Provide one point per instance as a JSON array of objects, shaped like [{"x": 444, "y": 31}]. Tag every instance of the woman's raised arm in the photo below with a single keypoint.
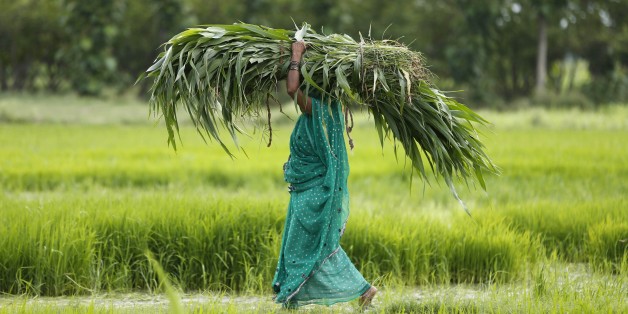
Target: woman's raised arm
[{"x": 293, "y": 81}]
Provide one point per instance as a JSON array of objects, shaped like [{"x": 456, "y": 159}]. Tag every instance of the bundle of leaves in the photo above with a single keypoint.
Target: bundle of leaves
[{"x": 221, "y": 73}]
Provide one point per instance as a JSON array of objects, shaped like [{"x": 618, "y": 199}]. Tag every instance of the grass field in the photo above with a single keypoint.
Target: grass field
[{"x": 89, "y": 189}]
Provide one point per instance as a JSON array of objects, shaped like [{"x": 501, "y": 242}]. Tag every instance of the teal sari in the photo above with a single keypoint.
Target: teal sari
[{"x": 312, "y": 267}]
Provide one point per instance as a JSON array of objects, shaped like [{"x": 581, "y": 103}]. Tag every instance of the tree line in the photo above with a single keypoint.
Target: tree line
[{"x": 494, "y": 50}]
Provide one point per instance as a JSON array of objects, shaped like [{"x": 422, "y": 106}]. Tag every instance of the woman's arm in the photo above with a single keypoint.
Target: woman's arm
[{"x": 294, "y": 78}]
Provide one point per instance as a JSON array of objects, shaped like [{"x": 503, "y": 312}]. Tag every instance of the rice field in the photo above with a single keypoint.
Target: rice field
[{"x": 88, "y": 191}]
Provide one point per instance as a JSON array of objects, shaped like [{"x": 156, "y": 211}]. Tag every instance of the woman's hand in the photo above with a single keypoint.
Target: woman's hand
[{"x": 298, "y": 48}]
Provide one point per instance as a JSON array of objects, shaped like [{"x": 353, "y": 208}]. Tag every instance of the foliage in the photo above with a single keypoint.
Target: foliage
[
  {"x": 156, "y": 21},
  {"x": 219, "y": 73},
  {"x": 22, "y": 24},
  {"x": 487, "y": 48},
  {"x": 92, "y": 29}
]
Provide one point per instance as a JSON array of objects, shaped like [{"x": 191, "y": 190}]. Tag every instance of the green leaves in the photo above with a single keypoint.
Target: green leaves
[{"x": 221, "y": 73}]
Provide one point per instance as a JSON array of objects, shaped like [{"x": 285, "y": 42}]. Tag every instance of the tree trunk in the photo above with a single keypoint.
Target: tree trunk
[
  {"x": 541, "y": 55},
  {"x": 573, "y": 67},
  {"x": 53, "y": 78},
  {"x": 503, "y": 78},
  {"x": 4, "y": 85},
  {"x": 514, "y": 70}
]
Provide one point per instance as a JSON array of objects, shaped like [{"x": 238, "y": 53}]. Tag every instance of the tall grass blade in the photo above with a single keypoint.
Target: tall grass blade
[{"x": 176, "y": 307}]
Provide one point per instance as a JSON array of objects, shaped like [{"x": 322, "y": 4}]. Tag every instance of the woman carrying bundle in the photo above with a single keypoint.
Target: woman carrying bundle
[{"x": 312, "y": 267}]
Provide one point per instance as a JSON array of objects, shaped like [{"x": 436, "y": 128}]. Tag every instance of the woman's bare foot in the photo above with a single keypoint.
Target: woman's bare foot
[{"x": 367, "y": 297}]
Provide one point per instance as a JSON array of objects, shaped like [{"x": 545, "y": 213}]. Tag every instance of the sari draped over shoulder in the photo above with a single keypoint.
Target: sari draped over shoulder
[{"x": 312, "y": 267}]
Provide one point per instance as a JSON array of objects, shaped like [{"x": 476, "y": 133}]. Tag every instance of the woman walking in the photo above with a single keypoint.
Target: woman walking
[{"x": 312, "y": 267}]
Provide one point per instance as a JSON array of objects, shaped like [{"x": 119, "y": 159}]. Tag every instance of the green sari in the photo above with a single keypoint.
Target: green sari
[{"x": 312, "y": 267}]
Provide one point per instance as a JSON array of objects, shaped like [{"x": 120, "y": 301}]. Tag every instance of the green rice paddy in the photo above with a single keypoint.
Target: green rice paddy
[{"x": 82, "y": 203}]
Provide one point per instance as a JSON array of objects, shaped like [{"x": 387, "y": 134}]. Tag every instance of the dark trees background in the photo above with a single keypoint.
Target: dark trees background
[{"x": 497, "y": 51}]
